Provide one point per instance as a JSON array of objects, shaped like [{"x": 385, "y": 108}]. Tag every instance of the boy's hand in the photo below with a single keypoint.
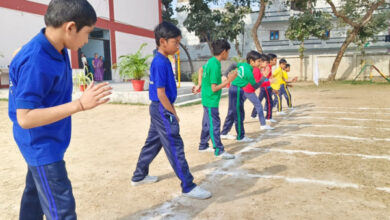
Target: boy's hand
[
  {"x": 224, "y": 78},
  {"x": 196, "y": 89},
  {"x": 177, "y": 118},
  {"x": 275, "y": 91},
  {"x": 294, "y": 79},
  {"x": 95, "y": 95},
  {"x": 232, "y": 75}
]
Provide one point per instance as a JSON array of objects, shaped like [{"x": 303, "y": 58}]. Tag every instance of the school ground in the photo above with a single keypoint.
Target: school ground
[{"x": 329, "y": 158}]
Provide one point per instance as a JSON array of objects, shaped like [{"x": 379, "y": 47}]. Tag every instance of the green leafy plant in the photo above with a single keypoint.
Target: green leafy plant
[
  {"x": 82, "y": 79},
  {"x": 238, "y": 59},
  {"x": 194, "y": 78},
  {"x": 134, "y": 66}
]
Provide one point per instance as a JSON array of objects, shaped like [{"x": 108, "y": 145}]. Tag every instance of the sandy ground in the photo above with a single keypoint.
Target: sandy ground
[{"x": 329, "y": 158}]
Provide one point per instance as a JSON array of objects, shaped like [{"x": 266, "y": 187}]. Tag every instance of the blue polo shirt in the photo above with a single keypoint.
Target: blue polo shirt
[
  {"x": 161, "y": 76},
  {"x": 40, "y": 77}
]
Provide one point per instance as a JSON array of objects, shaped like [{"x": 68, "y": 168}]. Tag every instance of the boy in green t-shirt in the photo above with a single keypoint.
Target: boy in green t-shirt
[
  {"x": 210, "y": 82},
  {"x": 236, "y": 113}
]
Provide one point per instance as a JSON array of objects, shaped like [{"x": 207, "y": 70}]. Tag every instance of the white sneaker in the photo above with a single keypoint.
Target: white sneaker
[
  {"x": 271, "y": 120},
  {"x": 245, "y": 139},
  {"x": 226, "y": 156},
  {"x": 209, "y": 149},
  {"x": 280, "y": 113},
  {"x": 146, "y": 180},
  {"x": 290, "y": 108},
  {"x": 228, "y": 136},
  {"x": 266, "y": 127},
  {"x": 198, "y": 193}
]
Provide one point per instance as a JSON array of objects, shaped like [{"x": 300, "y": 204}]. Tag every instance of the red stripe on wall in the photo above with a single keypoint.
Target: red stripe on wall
[
  {"x": 25, "y": 6},
  {"x": 112, "y": 32},
  {"x": 160, "y": 10}
]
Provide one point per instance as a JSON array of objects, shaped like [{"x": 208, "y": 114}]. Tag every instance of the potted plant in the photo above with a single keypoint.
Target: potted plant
[
  {"x": 134, "y": 67},
  {"x": 82, "y": 80}
]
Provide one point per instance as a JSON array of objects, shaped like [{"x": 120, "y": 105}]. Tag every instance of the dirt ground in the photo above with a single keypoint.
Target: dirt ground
[{"x": 329, "y": 158}]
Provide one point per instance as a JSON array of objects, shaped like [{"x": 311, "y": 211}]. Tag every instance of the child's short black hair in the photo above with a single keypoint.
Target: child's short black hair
[
  {"x": 265, "y": 58},
  {"x": 272, "y": 56},
  {"x": 281, "y": 61},
  {"x": 166, "y": 31},
  {"x": 219, "y": 46},
  {"x": 61, "y": 11},
  {"x": 252, "y": 55},
  {"x": 287, "y": 65}
]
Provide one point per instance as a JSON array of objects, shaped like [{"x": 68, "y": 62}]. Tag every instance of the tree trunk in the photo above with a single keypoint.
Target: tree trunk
[
  {"x": 209, "y": 43},
  {"x": 256, "y": 26},
  {"x": 189, "y": 57},
  {"x": 301, "y": 56},
  {"x": 237, "y": 46},
  {"x": 340, "y": 54}
]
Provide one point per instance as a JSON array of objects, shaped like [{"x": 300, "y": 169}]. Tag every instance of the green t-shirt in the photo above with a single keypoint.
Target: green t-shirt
[
  {"x": 244, "y": 75},
  {"x": 211, "y": 75}
]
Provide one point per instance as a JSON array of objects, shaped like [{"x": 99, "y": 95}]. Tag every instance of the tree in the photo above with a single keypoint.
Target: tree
[
  {"x": 200, "y": 20},
  {"x": 359, "y": 15},
  {"x": 167, "y": 16},
  {"x": 230, "y": 23},
  {"x": 308, "y": 24},
  {"x": 263, "y": 5}
]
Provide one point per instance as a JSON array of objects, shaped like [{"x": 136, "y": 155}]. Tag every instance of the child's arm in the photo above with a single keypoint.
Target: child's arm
[
  {"x": 230, "y": 78},
  {"x": 92, "y": 97},
  {"x": 196, "y": 89},
  {"x": 165, "y": 102}
]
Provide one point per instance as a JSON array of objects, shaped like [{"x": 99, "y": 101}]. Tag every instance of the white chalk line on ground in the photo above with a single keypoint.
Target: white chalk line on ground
[
  {"x": 315, "y": 153},
  {"x": 332, "y": 126},
  {"x": 356, "y": 108},
  {"x": 329, "y": 136},
  {"x": 327, "y": 183},
  {"x": 357, "y": 113},
  {"x": 337, "y": 118}
]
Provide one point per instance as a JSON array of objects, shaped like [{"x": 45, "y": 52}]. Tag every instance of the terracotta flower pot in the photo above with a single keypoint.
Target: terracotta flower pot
[
  {"x": 83, "y": 88},
  {"x": 138, "y": 85}
]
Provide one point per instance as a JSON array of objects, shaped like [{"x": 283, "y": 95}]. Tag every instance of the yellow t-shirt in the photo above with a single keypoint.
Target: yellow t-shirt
[
  {"x": 285, "y": 77},
  {"x": 277, "y": 78}
]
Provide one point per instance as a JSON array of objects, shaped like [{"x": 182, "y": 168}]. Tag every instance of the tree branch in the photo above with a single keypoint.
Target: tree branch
[
  {"x": 368, "y": 16},
  {"x": 337, "y": 14}
]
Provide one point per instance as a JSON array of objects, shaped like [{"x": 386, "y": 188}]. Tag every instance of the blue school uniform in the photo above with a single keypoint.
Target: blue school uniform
[
  {"x": 41, "y": 77},
  {"x": 164, "y": 131}
]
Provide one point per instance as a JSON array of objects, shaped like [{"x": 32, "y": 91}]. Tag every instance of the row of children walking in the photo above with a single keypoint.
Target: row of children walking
[
  {"x": 245, "y": 78},
  {"x": 41, "y": 105}
]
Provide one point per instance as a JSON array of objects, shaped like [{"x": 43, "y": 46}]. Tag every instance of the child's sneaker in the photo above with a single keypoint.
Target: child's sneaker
[
  {"x": 226, "y": 156},
  {"x": 266, "y": 127},
  {"x": 228, "y": 136},
  {"x": 245, "y": 139},
  {"x": 271, "y": 120},
  {"x": 146, "y": 180},
  {"x": 280, "y": 113},
  {"x": 290, "y": 108},
  {"x": 209, "y": 149},
  {"x": 198, "y": 193}
]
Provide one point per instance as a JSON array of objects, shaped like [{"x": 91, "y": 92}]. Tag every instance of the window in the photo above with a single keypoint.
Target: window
[
  {"x": 387, "y": 38},
  {"x": 327, "y": 34},
  {"x": 274, "y": 35}
]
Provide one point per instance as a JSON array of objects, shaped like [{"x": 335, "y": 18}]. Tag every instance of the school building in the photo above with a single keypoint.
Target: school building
[{"x": 122, "y": 26}]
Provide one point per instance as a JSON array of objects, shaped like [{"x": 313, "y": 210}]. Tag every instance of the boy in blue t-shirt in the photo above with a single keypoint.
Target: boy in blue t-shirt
[
  {"x": 40, "y": 106},
  {"x": 164, "y": 128}
]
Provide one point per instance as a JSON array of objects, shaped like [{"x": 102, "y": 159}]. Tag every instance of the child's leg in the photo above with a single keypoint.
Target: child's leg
[
  {"x": 215, "y": 130},
  {"x": 149, "y": 151},
  {"x": 261, "y": 97},
  {"x": 268, "y": 102},
  {"x": 169, "y": 132},
  {"x": 256, "y": 103},
  {"x": 229, "y": 120},
  {"x": 240, "y": 113},
  {"x": 283, "y": 93},
  {"x": 288, "y": 98},
  {"x": 277, "y": 102},
  {"x": 205, "y": 134},
  {"x": 30, "y": 207},
  {"x": 54, "y": 191}
]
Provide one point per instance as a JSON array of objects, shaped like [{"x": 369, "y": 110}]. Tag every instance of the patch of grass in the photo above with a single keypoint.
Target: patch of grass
[
  {"x": 362, "y": 82},
  {"x": 4, "y": 100},
  {"x": 190, "y": 104}
]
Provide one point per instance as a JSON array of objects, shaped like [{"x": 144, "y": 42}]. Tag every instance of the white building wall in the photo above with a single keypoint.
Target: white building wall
[
  {"x": 138, "y": 13},
  {"x": 101, "y": 6},
  {"x": 128, "y": 43},
  {"x": 15, "y": 33}
]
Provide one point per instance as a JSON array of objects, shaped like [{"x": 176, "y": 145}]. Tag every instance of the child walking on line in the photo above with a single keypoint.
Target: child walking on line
[
  {"x": 236, "y": 114},
  {"x": 164, "y": 131},
  {"x": 210, "y": 82},
  {"x": 40, "y": 107}
]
